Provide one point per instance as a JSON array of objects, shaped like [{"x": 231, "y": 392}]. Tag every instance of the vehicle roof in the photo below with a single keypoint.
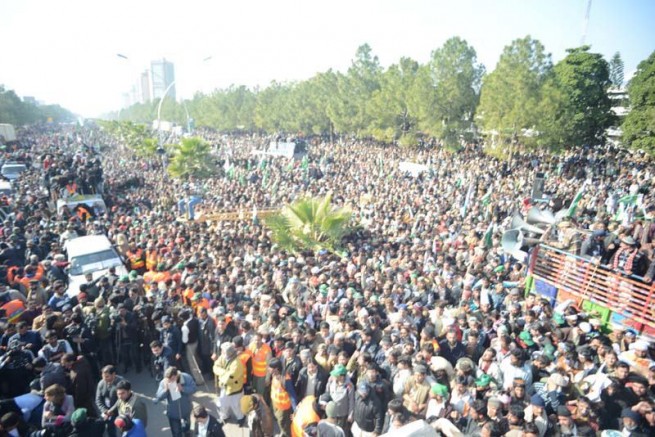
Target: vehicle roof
[{"x": 87, "y": 244}]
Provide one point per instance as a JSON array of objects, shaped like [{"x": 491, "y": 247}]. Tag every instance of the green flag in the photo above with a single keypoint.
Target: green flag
[
  {"x": 289, "y": 166},
  {"x": 305, "y": 163},
  {"x": 576, "y": 200},
  {"x": 486, "y": 199},
  {"x": 230, "y": 173},
  {"x": 265, "y": 178},
  {"x": 242, "y": 179},
  {"x": 629, "y": 200},
  {"x": 488, "y": 242}
]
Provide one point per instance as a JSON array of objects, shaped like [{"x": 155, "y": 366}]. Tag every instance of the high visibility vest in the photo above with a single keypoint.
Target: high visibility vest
[
  {"x": 152, "y": 259},
  {"x": 136, "y": 260},
  {"x": 71, "y": 188},
  {"x": 244, "y": 357},
  {"x": 14, "y": 310},
  {"x": 279, "y": 396},
  {"x": 83, "y": 213},
  {"x": 259, "y": 361},
  {"x": 304, "y": 416}
]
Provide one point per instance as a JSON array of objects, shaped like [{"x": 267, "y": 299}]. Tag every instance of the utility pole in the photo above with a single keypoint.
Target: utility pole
[{"x": 586, "y": 24}]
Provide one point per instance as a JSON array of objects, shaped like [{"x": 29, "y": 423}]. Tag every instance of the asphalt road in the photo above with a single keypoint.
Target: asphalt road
[{"x": 146, "y": 387}]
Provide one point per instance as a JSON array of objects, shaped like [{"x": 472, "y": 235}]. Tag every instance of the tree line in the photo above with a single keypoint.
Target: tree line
[
  {"x": 526, "y": 100},
  {"x": 15, "y": 111}
]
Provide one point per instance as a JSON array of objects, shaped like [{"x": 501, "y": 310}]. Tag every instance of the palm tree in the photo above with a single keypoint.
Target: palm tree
[
  {"x": 191, "y": 158},
  {"x": 310, "y": 224}
]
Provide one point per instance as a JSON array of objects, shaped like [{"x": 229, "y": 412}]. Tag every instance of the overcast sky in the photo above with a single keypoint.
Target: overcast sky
[{"x": 65, "y": 51}]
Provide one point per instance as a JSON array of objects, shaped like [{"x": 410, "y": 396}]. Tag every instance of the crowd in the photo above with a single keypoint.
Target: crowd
[{"x": 420, "y": 319}]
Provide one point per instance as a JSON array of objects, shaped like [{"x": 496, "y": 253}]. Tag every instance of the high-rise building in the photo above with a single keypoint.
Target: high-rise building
[
  {"x": 162, "y": 74},
  {"x": 144, "y": 85}
]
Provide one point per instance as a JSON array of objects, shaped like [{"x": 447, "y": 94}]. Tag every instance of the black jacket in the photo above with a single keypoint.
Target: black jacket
[
  {"x": 368, "y": 413},
  {"x": 319, "y": 387},
  {"x": 214, "y": 429}
]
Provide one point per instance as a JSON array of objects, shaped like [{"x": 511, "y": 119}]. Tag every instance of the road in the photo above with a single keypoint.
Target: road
[{"x": 145, "y": 386}]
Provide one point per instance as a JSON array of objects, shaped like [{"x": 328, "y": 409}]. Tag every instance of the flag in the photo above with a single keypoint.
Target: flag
[
  {"x": 305, "y": 163},
  {"x": 262, "y": 164},
  {"x": 576, "y": 200},
  {"x": 265, "y": 178},
  {"x": 290, "y": 165},
  {"x": 488, "y": 242},
  {"x": 629, "y": 200},
  {"x": 230, "y": 173},
  {"x": 242, "y": 179},
  {"x": 486, "y": 199},
  {"x": 467, "y": 200},
  {"x": 274, "y": 189}
]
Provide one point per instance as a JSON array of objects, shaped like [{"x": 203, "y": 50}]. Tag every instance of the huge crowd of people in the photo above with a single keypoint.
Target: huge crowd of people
[{"x": 420, "y": 319}]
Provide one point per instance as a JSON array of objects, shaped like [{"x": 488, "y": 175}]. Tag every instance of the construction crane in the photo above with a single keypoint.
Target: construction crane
[{"x": 586, "y": 23}]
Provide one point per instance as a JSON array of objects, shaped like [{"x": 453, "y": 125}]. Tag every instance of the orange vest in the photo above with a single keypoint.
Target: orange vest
[
  {"x": 244, "y": 357},
  {"x": 14, "y": 310},
  {"x": 136, "y": 260},
  {"x": 152, "y": 259},
  {"x": 304, "y": 416},
  {"x": 83, "y": 213},
  {"x": 279, "y": 396},
  {"x": 149, "y": 276},
  {"x": 187, "y": 295},
  {"x": 259, "y": 356}
]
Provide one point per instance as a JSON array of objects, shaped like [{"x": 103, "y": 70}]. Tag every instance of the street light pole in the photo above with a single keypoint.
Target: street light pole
[{"x": 168, "y": 88}]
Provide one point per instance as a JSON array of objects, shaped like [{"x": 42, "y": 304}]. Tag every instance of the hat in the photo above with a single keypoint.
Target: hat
[
  {"x": 166, "y": 319},
  {"x": 527, "y": 338},
  {"x": 558, "y": 318},
  {"x": 494, "y": 402},
  {"x": 483, "y": 381},
  {"x": 363, "y": 387},
  {"x": 639, "y": 345},
  {"x": 123, "y": 422},
  {"x": 440, "y": 390},
  {"x": 629, "y": 241},
  {"x": 538, "y": 401},
  {"x": 558, "y": 380},
  {"x": 339, "y": 370},
  {"x": 563, "y": 411},
  {"x": 331, "y": 409},
  {"x": 585, "y": 327},
  {"x": 78, "y": 416},
  {"x": 81, "y": 296},
  {"x": 627, "y": 412},
  {"x": 420, "y": 368}
]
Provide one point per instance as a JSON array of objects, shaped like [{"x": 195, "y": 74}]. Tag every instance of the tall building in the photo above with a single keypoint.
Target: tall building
[
  {"x": 144, "y": 85},
  {"x": 162, "y": 76}
]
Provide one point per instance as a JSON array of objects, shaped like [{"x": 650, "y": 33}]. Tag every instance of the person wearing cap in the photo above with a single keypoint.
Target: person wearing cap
[
  {"x": 628, "y": 258},
  {"x": 368, "y": 415},
  {"x": 342, "y": 393},
  {"x": 171, "y": 336},
  {"x": 638, "y": 357},
  {"x": 258, "y": 415},
  {"x": 552, "y": 391},
  {"x": 328, "y": 427},
  {"x": 84, "y": 426},
  {"x": 566, "y": 426},
  {"x": 535, "y": 413},
  {"x": 283, "y": 396},
  {"x": 593, "y": 247},
  {"x": 631, "y": 422},
  {"x": 230, "y": 377},
  {"x": 417, "y": 391}
]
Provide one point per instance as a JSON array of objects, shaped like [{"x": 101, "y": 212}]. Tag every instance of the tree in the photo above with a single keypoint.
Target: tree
[
  {"x": 639, "y": 125},
  {"x": 616, "y": 70},
  {"x": 510, "y": 95},
  {"x": 309, "y": 224},
  {"x": 192, "y": 157},
  {"x": 583, "y": 79},
  {"x": 389, "y": 107},
  {"x": 451, "y": 93}
]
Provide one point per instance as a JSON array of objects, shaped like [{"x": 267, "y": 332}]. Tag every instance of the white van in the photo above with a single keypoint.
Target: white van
[
  {"x": 11, "y": 170},
  {"x": 90, "y": 254}
]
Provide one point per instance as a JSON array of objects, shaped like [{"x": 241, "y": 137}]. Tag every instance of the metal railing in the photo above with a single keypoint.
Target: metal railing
[{"x": 628, "y": 296}]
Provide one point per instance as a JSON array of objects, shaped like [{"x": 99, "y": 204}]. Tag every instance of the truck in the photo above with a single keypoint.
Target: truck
[{"x": 7, "y": 134}]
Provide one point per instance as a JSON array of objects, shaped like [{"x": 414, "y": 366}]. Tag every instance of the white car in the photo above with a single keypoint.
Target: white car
[
  {"x": 92, "y": 254},
  {"x": 11, "y": 170}
]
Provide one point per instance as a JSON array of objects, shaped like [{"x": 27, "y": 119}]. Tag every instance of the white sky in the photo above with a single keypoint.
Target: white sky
[{"x": 65, "y": 51}]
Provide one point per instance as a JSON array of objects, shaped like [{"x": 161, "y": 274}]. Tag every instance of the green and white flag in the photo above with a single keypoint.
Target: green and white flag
[
  {"x": 486, "y": 199},
  {"x": 576, "y": 200},
  {"x": 629, "y": 200},
  {"x": 488, "y": 236}
]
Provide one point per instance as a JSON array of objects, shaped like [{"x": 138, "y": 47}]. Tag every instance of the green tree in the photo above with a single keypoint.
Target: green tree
[
  {"x": 451, "y": 92},
  {"x": 192, "y": 157},
  {"x": 390, "y": 107},
  {"x": 510, "y": 95},
  {"x": 309, "y": 224},
  {"x": 639, "y": 125},
  {"x": 583, "y": 78},
  {"x": 616, "y": 70}
]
